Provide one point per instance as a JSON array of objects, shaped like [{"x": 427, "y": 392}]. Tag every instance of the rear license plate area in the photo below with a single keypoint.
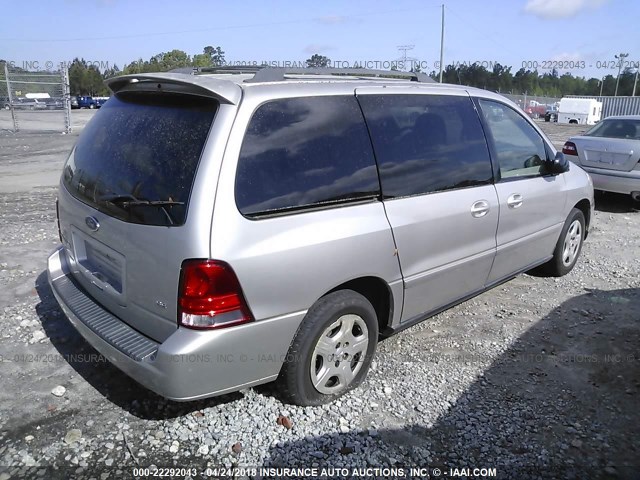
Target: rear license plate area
[{"x": 101, "y": 264}]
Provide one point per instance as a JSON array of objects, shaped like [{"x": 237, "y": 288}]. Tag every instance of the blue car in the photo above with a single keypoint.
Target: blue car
[{"x": 86, "y": 102}]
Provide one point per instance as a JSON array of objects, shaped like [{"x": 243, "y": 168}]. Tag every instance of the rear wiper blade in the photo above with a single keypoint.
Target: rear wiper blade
[
  {"x": 148, "y": 203},
  {"x": 127, "y": 201}
]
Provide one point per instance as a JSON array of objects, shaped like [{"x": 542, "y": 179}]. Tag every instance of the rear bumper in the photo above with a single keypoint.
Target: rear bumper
[
  {"x": 614, "y": 181},
  {"x": 188, "y": 365}
]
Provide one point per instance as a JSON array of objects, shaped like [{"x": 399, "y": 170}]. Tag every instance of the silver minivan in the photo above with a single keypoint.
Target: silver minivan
[{"x": 225, "y": 230}]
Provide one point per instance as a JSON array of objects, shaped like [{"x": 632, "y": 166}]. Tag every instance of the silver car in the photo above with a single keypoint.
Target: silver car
[
  {"x": 610, "y": 152},
  {"x": 226, "y": 230}
]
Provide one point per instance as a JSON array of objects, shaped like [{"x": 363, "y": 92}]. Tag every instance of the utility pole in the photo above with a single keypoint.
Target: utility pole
[
  {"x": 10, "y": 97},
  {"x": 620, "y": 57},
  {"x": 442, "y": 44},
  {"x": 635, "y": 81},
  {"x": 601, "y": 85}
]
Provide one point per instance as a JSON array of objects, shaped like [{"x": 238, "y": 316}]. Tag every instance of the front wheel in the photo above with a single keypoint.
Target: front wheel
[
  {"x": 331, "y": 351},
  {"x": 568, "y": 247}
]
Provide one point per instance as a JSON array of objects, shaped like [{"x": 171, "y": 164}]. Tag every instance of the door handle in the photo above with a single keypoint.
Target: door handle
[
  {"x": 480, "y": 208},
  {"x": 514, "y": 200}
]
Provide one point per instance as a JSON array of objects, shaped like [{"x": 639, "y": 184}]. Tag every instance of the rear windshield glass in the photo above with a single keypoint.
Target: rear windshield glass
[
  {"x": 136, "y": 159},
  {"x": 616, "y": 128}
]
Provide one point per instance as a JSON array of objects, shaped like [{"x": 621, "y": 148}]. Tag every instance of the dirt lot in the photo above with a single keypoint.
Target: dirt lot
[
  {"x": 538, "y": 378},
  {"x": 43, "y": 120}
]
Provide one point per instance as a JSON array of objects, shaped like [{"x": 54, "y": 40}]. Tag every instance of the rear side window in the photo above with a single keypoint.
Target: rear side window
[
  {"x": 426, "y": 143},
  {"x": 301, "y": 153},
  {"x": 136, "y": 160},
  {"x": 616, "y": 128}
]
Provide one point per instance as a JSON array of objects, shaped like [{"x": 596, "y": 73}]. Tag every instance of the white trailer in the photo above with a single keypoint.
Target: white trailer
[{"x": 583, "y": 111}]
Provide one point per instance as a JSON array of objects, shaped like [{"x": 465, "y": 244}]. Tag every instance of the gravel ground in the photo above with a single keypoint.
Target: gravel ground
[{"x": 538, "y": 378}]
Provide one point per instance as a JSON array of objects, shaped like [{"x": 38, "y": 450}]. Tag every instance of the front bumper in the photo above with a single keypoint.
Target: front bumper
[
  {"x": 615, "y": 181},
  {"x": 190, "y": 364}
]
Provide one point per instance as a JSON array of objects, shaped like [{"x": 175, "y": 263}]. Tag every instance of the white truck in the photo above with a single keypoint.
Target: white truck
[{"x": 582, "y": 111}]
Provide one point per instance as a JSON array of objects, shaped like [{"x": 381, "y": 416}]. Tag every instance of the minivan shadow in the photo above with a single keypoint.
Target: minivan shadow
[
  {"x": 615, "y": 202},
  {"x": 101, "y": 374},
  {"x": 560, "y": 402}
]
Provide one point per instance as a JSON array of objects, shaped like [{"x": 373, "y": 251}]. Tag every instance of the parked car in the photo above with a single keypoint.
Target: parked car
[
  {"x": 5, "y": 103},
  {"x": 54, "y": 103},
  {"x": 220, "y": 234},
  {"x": 86, "y": 102},
  {"x": 100, "y": 101},
  {"x": 610, "y": 152},
  {"x": 74, "y": 103},
  {"x": 21, "y": 103},
  {"x": 536, "y": 111},
  {"x": 551, "y": 115}
]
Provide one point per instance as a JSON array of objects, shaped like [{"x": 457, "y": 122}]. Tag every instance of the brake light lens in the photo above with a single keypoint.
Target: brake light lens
[
  {"x": 210, "y": 296},
  {"x": 570, "y": 149}
]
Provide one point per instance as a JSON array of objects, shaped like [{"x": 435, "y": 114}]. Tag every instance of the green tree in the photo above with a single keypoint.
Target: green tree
[
  {"x": 111, "y": 72},
  {"x": 502, "y": 78},
  {"x": 215, "y": 54},
  {"x": 318, "y": 60},
  {"x": 137, "y": 66},
  {"x": 174, "y": 59},
  {"x": 86, "y": 79},
  {"x": 201, "y": 60}
]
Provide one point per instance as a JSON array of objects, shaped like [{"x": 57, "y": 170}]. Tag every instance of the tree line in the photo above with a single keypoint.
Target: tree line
[
  {"x": 549, "y": 84},
  {"x": 87, "y": 79}
]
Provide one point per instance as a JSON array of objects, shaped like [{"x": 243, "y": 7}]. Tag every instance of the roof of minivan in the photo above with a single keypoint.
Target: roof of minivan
[{"x": 228, "y": 87}]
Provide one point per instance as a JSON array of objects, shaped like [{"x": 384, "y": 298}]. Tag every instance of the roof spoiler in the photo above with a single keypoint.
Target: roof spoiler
[{"x": 224, "y": 91}]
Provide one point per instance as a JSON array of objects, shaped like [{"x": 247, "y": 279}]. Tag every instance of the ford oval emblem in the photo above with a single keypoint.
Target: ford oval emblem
[{"x": 92, "y": 223}]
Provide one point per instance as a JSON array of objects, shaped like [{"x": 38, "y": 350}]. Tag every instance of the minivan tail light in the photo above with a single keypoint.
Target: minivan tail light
[
  {"x": 210, "y": 296},
  {"x": 570, "y": 149}
]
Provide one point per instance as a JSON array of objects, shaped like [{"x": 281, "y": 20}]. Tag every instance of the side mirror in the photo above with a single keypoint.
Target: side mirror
[{"x": 559, "y": 164}]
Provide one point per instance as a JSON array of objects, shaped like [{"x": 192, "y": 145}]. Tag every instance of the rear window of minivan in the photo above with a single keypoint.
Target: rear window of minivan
[
  {"x": 305, "y": 153},
  {"x": 137, "y": 158}
]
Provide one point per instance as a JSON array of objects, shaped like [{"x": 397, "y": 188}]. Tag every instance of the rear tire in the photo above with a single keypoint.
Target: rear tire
[
  {"x": 568, "y": 247},
  {"x": 332, "y": 350}
]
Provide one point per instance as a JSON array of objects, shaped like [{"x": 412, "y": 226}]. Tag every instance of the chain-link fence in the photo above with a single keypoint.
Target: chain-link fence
[{"x": 35, "y": 101}]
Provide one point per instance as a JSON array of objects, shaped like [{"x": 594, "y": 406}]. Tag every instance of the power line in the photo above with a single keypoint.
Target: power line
[{"x": 212, "y": 29}]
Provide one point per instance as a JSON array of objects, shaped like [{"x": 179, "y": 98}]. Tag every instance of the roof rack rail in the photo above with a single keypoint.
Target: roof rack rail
[
  {"x": 276, "y": 74},
  {"x": 184, "y": 70},
  {"x": 238, "y": 69}
]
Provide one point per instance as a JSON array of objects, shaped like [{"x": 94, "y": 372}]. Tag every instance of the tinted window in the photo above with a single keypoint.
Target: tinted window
[
  {"x": 519, "y": 148},
  {"x": 140, "y": 149},
  {"x": 305, "y": 152},
  {"x": 426, "y": 143},
  {"x": 616, "y": 128}
]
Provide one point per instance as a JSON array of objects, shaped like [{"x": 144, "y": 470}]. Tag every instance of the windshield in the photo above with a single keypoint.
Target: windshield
[
  {"x": 616, "y": 128},
  {"x": 144, "y": 147}
]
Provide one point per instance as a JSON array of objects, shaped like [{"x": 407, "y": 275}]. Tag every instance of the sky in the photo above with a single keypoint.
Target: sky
[{"x": 516, "y": 33}]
